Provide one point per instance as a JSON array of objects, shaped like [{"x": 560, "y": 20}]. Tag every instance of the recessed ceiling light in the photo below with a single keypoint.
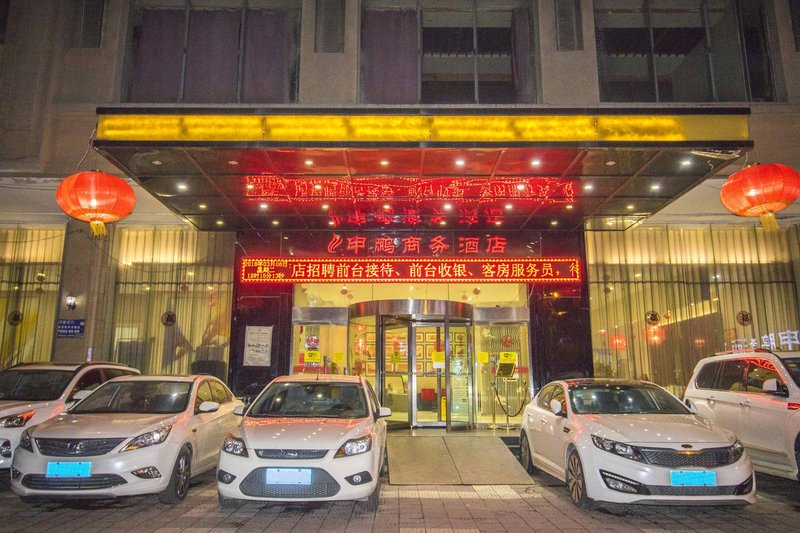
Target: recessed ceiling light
[
  {"x": 220, "y": 222},
  {"x": 447, "y": 207},
  {"x": 202, "y": 206},
  {"x": 655, "y": 187},
  {"x": 384, "y": 163},
  {"x": 554, "y": 222},
  {"x": 157, "y": 162},
  {"x": 182, "y": 187},
  {"x": 536, "y": 162},
  {"x": 569, "y": 206},
  {"x": 588, "y": 187},
  {"x": 611, "y": 163},
  {"x": 331, "y": 222},
  {"x": 498, "y": 223},
  {"x": 686, "y": 162},
  {"x": 233, "y": 163},
  {"x": 629, "y": 207},
  {"x": 325, "y": 207},
  {"x": 275, "y": 222},
  {"x": 509, "y": 207},
  {"x": 263, "y": 206},
  {"x": 317, "y": 187},
  {"x": 443, "y": 223},
  {"x": 460, "y": 162},
  {"x": 309, "y": 162},
  {"x": 387, "y": 206},
  {"x": 250, "y": 186}
]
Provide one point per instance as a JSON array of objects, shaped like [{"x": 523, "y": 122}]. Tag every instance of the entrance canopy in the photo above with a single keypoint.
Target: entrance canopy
[{"x": 444, "y": 169}]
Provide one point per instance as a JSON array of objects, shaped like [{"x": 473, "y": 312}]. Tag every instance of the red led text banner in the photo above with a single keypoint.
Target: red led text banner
[{"x": 276, "y": 270}]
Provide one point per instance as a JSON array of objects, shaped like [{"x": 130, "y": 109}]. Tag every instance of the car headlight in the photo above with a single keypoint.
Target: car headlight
[
  {"x": 25, "y": 441},
  {"x": 737, "y": 450},
  {"x": 16, "y": 421},
  {"x": 234, "y": 446},
  {"x": 150, "y": 438},
  {"x": 355, "y": 447},
  {"x": 618, "y": 448}
]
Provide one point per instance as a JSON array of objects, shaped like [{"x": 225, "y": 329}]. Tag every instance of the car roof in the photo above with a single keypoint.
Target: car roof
[
  {"x": 54, "y": 365},
  {"x": 326, "y": 378},
  {"x": 606, "y": 382},
  {"x": 163, "y": 377},
  {"x": 736, "y": 354}
]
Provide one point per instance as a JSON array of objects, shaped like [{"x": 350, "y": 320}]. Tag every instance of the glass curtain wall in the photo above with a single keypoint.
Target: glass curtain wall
[
  {"x": 662, "y": 298},
  {"x": 30, "y": 276},
  {"x": 172, "y": 302}
]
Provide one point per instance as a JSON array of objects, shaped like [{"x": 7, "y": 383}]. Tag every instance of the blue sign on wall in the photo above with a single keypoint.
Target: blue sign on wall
[{"x": 70, "y": 328}]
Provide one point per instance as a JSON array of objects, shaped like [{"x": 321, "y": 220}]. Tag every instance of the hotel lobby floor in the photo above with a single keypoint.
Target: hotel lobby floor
[{"x": 542, "y": 506}]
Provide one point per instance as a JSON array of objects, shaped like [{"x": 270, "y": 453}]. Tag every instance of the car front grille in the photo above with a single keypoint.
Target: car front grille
[
  {"x": 322, "y": 486},
  {"x": 76, "y": 447},
  {"x": 666, "y": 490},
  {"x": 97, "y": 481},
  {"x": 291, "y": 454},
  {"x": 707, "y": 458}
]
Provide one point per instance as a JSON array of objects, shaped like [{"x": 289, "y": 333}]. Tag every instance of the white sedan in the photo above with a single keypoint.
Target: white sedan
[
  {"x": 132, "y": 435},
  {"x": 632, "y": 442},
  {"x": 307, "y": 438}
]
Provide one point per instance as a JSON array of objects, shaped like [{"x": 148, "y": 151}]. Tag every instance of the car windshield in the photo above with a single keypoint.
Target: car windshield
[
  {"x": 793, "y": 366},
  {"x": 602, "y": 399},
  {"x": 33, "y": 385},
  {"x": 141, "y": 396},
  {"x": 311, "y": 399}
]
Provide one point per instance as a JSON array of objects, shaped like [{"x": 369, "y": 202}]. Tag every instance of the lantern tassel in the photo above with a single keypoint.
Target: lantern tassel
[
  {"x": 98, "y": 229},
  {"x": 768, "y": 222}
]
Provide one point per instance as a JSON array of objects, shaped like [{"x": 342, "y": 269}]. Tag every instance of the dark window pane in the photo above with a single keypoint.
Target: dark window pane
[
  {"x": 212, "y": 62},
  {"x": 389, "y": 68},
  {"x": 732, "y": 375},
  {"x": 157, "y": 56},
  {"x": 705, "y": 378},
  {"x": 270, "y": 57}
]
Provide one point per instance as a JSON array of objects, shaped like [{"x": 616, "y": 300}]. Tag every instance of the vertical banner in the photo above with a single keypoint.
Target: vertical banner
[{"x": 257, "y": 345}]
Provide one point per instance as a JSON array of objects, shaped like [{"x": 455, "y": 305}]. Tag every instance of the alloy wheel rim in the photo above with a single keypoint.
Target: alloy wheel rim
[
  {"x": 576, "y": 479},
  {"x": 183, "y": 475}
]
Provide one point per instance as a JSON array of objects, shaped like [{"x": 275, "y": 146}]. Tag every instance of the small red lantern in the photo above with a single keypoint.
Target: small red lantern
[
  {"x": 761, "y": 191},
  {"x": 618, "y": 343},
  {"x": 97, "y": 198}
]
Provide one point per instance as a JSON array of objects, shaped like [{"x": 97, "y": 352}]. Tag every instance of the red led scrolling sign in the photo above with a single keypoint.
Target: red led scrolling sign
[{"x": 278, "y": 270}]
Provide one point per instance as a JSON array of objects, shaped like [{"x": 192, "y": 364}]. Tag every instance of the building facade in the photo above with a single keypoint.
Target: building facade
[{"x": 460, "y": 200}]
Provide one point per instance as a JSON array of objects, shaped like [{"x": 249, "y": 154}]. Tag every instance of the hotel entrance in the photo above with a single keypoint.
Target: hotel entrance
[{"x": 424, "y": 360}]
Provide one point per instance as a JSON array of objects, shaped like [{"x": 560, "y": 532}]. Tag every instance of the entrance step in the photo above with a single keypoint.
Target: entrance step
[{"x": 452, "y": 460}]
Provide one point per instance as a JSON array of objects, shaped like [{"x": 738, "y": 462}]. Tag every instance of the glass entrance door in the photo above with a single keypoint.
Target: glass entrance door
[{"x": 394, "y": 365}]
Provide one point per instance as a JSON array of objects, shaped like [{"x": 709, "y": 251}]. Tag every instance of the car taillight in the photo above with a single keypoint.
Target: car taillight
[{"x": 793, "y": 406}]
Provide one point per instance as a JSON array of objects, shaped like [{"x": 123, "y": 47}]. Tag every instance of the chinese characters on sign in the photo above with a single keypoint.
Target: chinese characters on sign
[
  {"x": 430, "y": 245},
  {"x": 70, "y": 328},
  {"x": 788, "y": 340},
  {"x": 275, "y": 270}
]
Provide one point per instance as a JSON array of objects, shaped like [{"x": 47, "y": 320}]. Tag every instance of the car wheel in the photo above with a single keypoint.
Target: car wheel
[
  {"x": 384, "y": 464},
  {"x": 225, "y": 502},
  {"x": 797, "y": 454},
  {"x": 179, "y": 481},
  {"x": 576, "y": 482},
  {"x": 374, "y": 499},
  {"x": 525, "y": 457}
]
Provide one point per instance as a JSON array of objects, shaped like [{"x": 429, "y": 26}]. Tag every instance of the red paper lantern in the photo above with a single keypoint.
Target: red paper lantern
[
  {"x": 761, "y": 191},
  {"x": 97, "y": 198},
  {"x": 618, "y": 343}
]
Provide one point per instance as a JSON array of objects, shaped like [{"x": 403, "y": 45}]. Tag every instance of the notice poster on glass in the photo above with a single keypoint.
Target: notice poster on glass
[{"x": 257, "y": 345}]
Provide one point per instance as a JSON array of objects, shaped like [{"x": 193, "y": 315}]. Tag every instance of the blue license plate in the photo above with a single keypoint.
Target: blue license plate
[
  {"x": 693, "y": 478},
  {"x": 288, "y": 476},
  {"x": 68, "y": 470}
]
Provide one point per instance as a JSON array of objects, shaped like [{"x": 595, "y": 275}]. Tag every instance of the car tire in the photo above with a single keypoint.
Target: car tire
[
  {"x": 374, "y": 499},
  {"x": 797, "y": 454},
  {"x": 525, "y": 456},
  {"x": 225, "y": 502},
  {"x": 576, "y": 482},
  {"x": 384, "y": 464},
  {"x": 179, "y": 479}
]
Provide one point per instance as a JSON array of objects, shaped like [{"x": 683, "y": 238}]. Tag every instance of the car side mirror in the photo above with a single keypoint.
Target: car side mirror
[
  {"x": 208, "y": 407},
  {"x": 384, "y": 412},
  {"x": 689, "y": 405},
  {"x": 556, "y": 408},
  {"x": 238, "y": 410},
  {"x": 771, "y": 386}
]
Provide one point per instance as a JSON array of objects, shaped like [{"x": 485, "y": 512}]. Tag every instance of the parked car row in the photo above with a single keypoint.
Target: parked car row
[
  {"x": 318, "y": 438},
  {"x": 627, "y": 441}
]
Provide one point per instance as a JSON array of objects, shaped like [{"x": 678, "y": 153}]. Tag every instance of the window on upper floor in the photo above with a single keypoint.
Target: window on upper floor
[
  {"x": 446, "y": 51},
  {"x": 228, "y": 51},
  {"x": 684, "y": 51}
]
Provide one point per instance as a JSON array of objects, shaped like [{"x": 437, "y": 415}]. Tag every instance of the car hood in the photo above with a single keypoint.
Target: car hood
[
  {"x": 302, "y": 433},
  {"x": 664, "y": 430},
  {"x": 13, "y": 407},
  {"x": 102, "y": 425}
]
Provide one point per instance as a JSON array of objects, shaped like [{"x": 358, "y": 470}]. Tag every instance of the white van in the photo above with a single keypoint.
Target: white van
[{"x": 756, "y": 395}]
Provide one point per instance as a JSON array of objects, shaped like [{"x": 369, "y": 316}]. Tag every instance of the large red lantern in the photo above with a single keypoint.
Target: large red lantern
[
  {"x": 761, "y": 191},
  {"x": 97, "y": 198}
]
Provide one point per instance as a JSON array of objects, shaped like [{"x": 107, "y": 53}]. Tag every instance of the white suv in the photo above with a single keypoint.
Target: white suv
[
  {"x": 756, "y": 395},
  {"x": 31, "y": 393}
]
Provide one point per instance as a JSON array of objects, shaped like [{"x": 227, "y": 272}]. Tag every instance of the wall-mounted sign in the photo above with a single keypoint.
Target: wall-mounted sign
[
  {"x": 508, "y": 357},
  {"x": 483, "y": 358},
  {"x": 70, "y": 328},
  {"x": 438, "y": 359},
  {"x": 313, "y": 356},
  {"x": 257, "y": 345},
  {"x": 275, "y": 270}
]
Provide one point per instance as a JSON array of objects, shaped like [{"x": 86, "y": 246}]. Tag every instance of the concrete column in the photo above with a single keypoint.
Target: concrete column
[{"x": 87, "y": 274}]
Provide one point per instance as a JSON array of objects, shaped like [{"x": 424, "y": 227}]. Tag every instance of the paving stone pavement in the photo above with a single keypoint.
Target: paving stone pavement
[{"x": 541, "y": 507}]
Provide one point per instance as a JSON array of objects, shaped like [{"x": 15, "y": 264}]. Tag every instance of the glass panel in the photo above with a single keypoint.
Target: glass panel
[
  {"x": 726, "y": 53},
  {"x": 460, "y": 405},
  {"x": 430, "y": 379},
  {"x": 502, "y": 391},
  {"x": 396, "y": 375},
  {"x": 361, "y": 355},
  {"x": 448, "y": 62},
  {"x": 319, "y": 349},
  {"x": 495, "y": 78}
]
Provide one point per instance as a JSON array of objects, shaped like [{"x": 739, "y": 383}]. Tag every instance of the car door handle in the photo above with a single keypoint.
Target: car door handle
[
  {"x": 745, "y": 403},
  {"x": 543, "y": 421},
  {"x": 566, "y": 430}
]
